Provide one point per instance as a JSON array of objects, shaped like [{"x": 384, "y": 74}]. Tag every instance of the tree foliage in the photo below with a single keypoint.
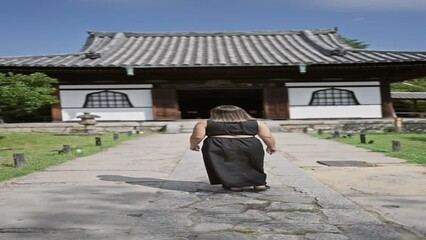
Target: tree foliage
[
  {"x": 415, "y": 85},
  {"x": 22, "y": 94},
  {"x": 355, "y": 43}
]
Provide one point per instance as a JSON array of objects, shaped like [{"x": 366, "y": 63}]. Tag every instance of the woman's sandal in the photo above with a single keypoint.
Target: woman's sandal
[
  {"x": 235, "y": 189},
  {"x": 261, "y": 188}
]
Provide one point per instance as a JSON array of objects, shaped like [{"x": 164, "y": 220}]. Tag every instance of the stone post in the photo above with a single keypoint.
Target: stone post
[
  {"x": 396, "y": 146},
  {"x": 19, "y": 159},
  {"x": 67, "y": 149},
  {"x": 362, "y": 138}
]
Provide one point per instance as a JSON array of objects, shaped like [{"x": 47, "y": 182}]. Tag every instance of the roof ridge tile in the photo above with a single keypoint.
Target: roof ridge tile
[{"x": 213, "y": 33}]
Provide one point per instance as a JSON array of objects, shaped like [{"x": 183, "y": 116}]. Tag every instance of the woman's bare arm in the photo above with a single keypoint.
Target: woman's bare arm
[
  {"x": 198, "y": 133},
  {"x": 266, "y": 136}
]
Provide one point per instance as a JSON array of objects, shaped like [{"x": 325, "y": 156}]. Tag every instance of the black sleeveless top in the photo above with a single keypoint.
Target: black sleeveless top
[{"x": 248, "y": 127}]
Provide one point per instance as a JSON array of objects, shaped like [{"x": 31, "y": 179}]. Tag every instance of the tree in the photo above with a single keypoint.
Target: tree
[
  {"x": 415, "y": 85},
  {"x": 23, "y": 94},
  {"x": 355, "y": 43}
]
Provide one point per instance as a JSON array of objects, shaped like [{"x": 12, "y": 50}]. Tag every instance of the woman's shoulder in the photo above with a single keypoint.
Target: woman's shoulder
[
  {"x": 255, "y": 121},
  {"x": 259, "y": 122},
  {"x": 202, "y": 122}
]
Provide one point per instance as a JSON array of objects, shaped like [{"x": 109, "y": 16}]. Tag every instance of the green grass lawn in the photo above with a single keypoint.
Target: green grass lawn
[
  {"x": 413, "y": 145},
  {"x": 41, "y": 150}
]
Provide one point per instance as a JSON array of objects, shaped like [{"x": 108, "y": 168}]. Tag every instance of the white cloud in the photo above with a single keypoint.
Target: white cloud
[{"x": 385, "y": 5}]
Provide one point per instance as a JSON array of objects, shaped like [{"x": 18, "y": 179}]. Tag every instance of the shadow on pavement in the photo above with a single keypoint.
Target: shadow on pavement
[{"x": 186, "y": 186}]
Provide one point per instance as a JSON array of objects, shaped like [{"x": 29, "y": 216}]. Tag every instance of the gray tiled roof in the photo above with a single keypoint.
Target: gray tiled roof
[
  {"x": 197, "y": 49},
  {"x": 408, "y": 95}
]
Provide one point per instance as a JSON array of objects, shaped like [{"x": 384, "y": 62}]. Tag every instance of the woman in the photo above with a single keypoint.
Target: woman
[{"x": 233, "y": 156}]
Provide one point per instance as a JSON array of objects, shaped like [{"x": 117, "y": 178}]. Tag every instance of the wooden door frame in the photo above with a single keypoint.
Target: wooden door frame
[
  {"x": 165, "y": 104},
  {"x": 275, "y": 103}
]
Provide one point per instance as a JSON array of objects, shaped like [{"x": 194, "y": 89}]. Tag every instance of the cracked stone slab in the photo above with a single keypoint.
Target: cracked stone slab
[
  {"x": 286, "y": 195},
  {"x": 280, "y": 206},
  {"x": 208, "y": 227},
  {"x": 158, "y": 218},
  {"x": 327, "y": 198},
  {"x": 223, "y": 236},
  {"x": 256, "y": 215},
  {"x": 70, "y": 234},
  {"x": 288, "y": 228},
  {"x": 216, "y": 218},
  {"x": 231, "y": 218},
  {"x": 174, "y": 200},
  {"x": 279, "y": 237},
  {"x": 226, "y": 209},
  {"x": 372, "y": 231},
  {"x": 325, "y": 236},
  {"x": 176, "y": 235},
  {"x": 227, "y": 203},
  {"x": 296, "y": 217},
  {"x": 350, "y": 216}
]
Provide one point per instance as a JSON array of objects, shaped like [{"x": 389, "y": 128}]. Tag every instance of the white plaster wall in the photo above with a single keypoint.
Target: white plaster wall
[
  {"x": 76, "y": 98},
  {"x": 352, "y": 111},
  {"x": 364, "y": 95},
  {"x": 368, "y": 96},
  {"x": 72, "y": 100}
]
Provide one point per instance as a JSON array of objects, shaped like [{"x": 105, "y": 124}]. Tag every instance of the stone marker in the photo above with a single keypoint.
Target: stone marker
[
  {"x": 396, "y": 146},
  {"x": 98, "y": 141},
  {"x": 67, "y": 149},
  {"x": 362, "y": 137},
  {"x": 336, "y": 134},
  {"x": 19, "y": 159},
  {"x": 115, "y": 136}
]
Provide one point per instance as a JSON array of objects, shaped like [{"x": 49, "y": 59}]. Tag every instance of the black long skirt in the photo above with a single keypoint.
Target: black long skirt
[{"x": 234, "y": 162}]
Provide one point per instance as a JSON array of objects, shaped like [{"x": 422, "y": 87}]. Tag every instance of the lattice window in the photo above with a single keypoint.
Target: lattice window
[
  {"x": 333, "y": 97},
  {"x": 107, "y": 99}
]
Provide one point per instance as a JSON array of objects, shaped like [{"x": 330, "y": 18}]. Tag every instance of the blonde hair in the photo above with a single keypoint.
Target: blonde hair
[{"x": 229, "y": 113}]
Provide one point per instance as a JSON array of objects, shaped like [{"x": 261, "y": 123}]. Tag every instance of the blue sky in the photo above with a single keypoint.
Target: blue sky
[{"x": 39, "y": 27}]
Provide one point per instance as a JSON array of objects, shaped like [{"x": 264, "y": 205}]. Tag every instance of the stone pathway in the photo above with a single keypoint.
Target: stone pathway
[
  {"x": 153, "y": 188},
  {"x": 296, "y": 207}
]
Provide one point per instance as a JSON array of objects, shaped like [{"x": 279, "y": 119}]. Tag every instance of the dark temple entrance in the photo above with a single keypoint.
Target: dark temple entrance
[{"x": 195, "y": 104}]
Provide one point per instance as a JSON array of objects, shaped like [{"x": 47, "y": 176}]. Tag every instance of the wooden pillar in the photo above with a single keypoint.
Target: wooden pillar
[
  {"x": 275, "y": 103},
  {"x": 387, "y": 107},
  {"x": 165, "y": 104},
  {"x": 55, "y": 109}
]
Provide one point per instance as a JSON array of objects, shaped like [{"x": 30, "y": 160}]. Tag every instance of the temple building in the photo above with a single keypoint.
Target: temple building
[{"x": 306, "y": 74}]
